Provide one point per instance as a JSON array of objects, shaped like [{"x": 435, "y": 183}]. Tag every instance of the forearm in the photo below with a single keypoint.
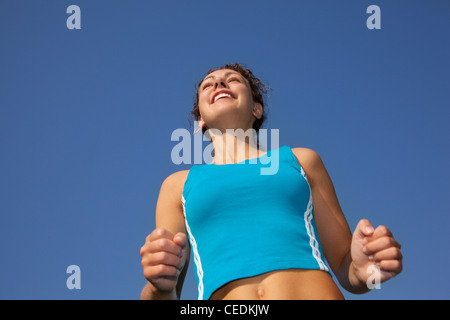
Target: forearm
[
  {"x": 347, "y": 277},
  {"x": 149, "y": 292}
]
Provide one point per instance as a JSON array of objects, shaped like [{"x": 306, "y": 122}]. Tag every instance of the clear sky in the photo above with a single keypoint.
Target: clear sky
[{"x": 86, "y": 118}]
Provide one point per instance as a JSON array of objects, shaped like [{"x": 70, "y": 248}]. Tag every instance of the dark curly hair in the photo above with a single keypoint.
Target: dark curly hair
[{"x": 258, "y": 89}]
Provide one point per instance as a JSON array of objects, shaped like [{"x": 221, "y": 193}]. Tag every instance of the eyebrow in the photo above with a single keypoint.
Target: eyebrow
[{"x": 226, "y": 74}]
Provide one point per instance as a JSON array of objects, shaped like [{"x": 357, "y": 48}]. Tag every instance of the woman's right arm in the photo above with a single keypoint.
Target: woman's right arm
[{"x": 165, "y": 254}]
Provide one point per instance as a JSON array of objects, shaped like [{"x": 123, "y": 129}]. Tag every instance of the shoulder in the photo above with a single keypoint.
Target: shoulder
[
  {"x": 306, "y": 157},
  {"x": 175, "y": 181},
  {"x": 177, "y": 177},
  {"x": 310, "y": 161},
  {"x": 169, "y": 198}
]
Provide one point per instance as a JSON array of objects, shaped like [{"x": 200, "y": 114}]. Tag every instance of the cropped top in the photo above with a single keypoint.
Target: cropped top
[{"x": 242, "y": 223}]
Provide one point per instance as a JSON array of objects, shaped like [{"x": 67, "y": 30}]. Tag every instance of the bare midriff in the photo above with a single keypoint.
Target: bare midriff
[{"x": 291, "y": 284}]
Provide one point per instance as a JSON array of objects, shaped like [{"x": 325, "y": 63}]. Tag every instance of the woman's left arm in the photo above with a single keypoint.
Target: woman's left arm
[{"x": 353, "y": 258}]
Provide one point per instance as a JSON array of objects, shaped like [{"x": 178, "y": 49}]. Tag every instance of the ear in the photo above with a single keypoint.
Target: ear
[
  {"x": 201, "y": 124},
  {"x": 257, "y": 110}
]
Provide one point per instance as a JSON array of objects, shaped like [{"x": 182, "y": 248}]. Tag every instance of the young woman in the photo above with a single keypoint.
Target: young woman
[{"x": 256, "y": 236}]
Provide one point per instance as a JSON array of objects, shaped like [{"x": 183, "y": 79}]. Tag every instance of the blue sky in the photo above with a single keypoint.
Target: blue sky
[{"x": 86, "y": 118}]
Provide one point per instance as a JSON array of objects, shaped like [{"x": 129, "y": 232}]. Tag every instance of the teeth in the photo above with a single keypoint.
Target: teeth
[{"x": 222, "y": 95}]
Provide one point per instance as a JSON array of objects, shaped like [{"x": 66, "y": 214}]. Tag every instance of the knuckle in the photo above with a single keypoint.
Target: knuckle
[
  {"x": 144, "y": 249},
  {"x": 148, "y": 273},
  {"x": 145, "y": 262},
  {"x": 365, "y": 221},
  {"x": 160, "y": 269},
  {"x": 396, "y": 265},
  {"x": 398, "y": 253},
  {"x": 155, "y": 258},
  {"x": 392, "y": 242},
  {"x": 160, "y": 232},
  {"x": 383, "y": 230},
  {"x": 386, "y": 241},
  {"x": 164, "y": 243},
  {"x": 165, "y": 270},
  {"x": 163, "y": 256},
  {"x": 155, "y": 246}
]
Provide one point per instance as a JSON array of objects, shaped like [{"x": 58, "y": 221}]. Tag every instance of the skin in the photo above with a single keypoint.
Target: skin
[{"x": 166, "y": 251}]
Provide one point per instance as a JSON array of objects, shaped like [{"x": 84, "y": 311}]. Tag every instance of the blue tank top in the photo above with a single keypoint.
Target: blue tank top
[{"x": 242, "y": 223}]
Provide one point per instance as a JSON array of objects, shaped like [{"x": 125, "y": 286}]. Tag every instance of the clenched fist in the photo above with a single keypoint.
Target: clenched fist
[
  {"x": 163, "y": 258},
  {"x": 375, "y": 247}
]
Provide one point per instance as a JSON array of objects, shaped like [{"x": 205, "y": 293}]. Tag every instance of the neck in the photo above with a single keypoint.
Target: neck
[{"x": 234, "y": 146}]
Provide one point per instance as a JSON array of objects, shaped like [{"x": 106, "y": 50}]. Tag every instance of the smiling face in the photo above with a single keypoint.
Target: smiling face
[{"x": 225, "y": 101}]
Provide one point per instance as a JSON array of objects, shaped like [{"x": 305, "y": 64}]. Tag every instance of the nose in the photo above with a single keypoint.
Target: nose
[{"x": 220, "y": 82}]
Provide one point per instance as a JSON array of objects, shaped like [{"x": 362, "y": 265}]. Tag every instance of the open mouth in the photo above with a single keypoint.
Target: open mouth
[{"x": 222, "y": 95}]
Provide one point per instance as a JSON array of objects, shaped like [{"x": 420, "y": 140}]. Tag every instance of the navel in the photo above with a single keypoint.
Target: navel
[{"x": 260, "y": 292}]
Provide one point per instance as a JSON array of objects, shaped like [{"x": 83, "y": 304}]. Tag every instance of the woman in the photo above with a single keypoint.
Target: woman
[{"x": 257, "y": 236}]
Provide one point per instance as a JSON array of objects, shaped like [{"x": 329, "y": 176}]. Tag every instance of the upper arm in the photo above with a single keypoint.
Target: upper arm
[
  {"x": 169, "y": 212},
  {"x": 169, "y": 209},
  {"x": 334, "y": 232}
]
